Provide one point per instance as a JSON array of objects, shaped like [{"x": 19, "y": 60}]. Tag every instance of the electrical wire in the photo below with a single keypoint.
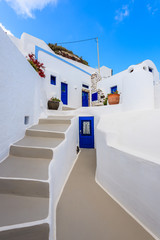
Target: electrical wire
[{"x": 89, "y": 39}]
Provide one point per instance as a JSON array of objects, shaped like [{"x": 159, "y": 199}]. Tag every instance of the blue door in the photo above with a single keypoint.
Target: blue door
[
  {"x": 64, "y": 93},
  {"x": 84, "y": 99},
  {"x": 86, "y": 132}
]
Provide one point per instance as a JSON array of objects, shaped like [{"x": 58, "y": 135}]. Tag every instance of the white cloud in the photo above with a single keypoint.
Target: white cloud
[
  {"x": 149, "y": 7},
  {"x": 5, "y": 30},
  {"x": 152, "y": 9},
  {"x": 26, "y": 7},
  {"x": 122, "y": 13}
]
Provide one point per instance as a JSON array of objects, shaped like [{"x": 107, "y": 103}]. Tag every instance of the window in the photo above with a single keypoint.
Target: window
[
  {"x": 85, "y": 86},
  {"x": 150, "y": 69},
  {"x": 26, "y": 120},
  {"x": 94, "y": 96},
  {"x": 53, "y": 80},
  {"x": 144, "y": 68},
  {"x": 113, "y": 89},
  {"x": 86, "y": 127}
]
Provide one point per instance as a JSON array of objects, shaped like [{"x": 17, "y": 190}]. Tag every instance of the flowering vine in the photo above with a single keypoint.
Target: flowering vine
[{"x": 39, "y": 67}]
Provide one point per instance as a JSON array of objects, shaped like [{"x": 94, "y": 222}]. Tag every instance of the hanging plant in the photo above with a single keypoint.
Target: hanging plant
[{"x": 39, "y": 67}]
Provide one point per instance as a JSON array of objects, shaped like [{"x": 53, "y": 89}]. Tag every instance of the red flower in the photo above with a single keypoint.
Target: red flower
[{"x": 39, "y": 67}]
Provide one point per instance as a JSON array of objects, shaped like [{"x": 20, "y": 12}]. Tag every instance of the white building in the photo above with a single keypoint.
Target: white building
[
  {"x": 136, "y": 85},
  {"x": 65, "y": 79},
  {"x": 36, "y": 159}
]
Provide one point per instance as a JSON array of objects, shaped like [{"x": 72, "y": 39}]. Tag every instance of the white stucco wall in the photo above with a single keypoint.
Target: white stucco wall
[
  {"x": 128, "y": 165},
  {"x": 64, "y": 158},
  {"x": 136, "y": 86},
  {"x": 138, "y": 90},
  {"x": 116, "y": 80},
  {"x": 67, "y": 74},
  {"x": 21, "y": 94},
  {"x": 29, "y": 42},
  {"x": 105, "y": 72},
  {"x": 63, "y": 71},
  {"x": 157, "y": 94}
]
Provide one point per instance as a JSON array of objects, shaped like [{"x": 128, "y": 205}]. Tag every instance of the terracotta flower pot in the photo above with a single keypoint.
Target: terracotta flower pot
[
  {"x": 53, "y": 105},
  {"x": 113, "y": 99}
]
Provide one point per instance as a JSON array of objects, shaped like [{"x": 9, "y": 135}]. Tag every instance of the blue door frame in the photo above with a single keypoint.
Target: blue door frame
[
  {"x": 86, "y": 132},
  {"x": 64, "y": 93},
  {"x": 84, "y": 99}
]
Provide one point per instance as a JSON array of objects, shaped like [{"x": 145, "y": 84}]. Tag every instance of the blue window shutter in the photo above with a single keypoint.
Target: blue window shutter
[
  {"x": 113, "y": 89},
  {"x": 53, "y": 80},
  {"x": 94, "y": 96}
]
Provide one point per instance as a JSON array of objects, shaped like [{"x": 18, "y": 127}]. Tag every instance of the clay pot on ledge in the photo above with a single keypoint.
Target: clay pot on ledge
[
  {"x": 113, "y": 98},
  {"x": 53, "y": 105}
]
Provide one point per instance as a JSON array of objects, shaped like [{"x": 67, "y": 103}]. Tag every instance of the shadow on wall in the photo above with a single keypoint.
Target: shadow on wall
[{"x": 21, "y": 91}]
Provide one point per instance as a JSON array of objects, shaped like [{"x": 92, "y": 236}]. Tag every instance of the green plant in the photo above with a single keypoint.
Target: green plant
[
  {"x": 105, "y": 101},
  {"x": 53, "y": 99},
  {"x": 64, "y": 52},
  {"x": 116, "y": 92}
]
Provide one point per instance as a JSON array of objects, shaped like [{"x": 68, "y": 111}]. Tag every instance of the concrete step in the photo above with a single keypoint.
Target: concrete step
[
  {"x": 61, "y": 117},
  {"x": 44, "y": 134},
  {"x": 23, "y": 167},
  {"x": 60, "y": 113},
  {"x": 21, "y": 187},
  {"x": 41, "y": 142},
  {"x": 54, "y": 121},
  {"x": 38, "y": 232},
  {"x": 65, "y": 108},
  {"x": 51, "y": 127},
  {"x": 22, "y": 209},
  {"x": 31, "y": 152}
]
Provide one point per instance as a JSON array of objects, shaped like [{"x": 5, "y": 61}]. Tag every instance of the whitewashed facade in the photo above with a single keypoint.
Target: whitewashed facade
[
  {"x": 75, "y": 75},
  {"x": 126, "y": 135}
]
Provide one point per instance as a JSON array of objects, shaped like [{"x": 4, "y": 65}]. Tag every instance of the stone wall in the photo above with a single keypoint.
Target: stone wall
[{"x": 95, "y": 78}]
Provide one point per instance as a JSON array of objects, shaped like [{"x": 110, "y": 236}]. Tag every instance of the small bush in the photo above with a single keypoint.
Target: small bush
[
  {"x": 105, "y": 101},
  {"x": 64, "y": 52},
  {"x": 55, "y": 99}
]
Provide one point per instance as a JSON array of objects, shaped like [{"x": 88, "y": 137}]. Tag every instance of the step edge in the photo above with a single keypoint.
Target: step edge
[
  {"x": 37, "y": 189},
  {"x": 21, "y": 147},
  {"x": 50, "y": 120},
  {"x": 24, "y": 225},
  {"x": 61, "y": 134},
  {"x": 25, "y": 179}
]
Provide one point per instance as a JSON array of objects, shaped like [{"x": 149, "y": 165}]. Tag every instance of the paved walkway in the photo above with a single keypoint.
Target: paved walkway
[{"x": 86, "y": 212}]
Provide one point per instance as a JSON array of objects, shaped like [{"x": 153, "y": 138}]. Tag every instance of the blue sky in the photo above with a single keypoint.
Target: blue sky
[{"x": 128, "y": 30}]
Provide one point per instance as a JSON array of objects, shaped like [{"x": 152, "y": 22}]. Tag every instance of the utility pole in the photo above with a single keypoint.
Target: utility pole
[
  {"x": 98, "y": 55},
  {"x": 84, "y": 40}
]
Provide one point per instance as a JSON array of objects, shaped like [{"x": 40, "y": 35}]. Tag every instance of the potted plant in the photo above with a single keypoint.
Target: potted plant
[
  {"x": 53, "y": 103},
  {"x": 113, "y": 98}
]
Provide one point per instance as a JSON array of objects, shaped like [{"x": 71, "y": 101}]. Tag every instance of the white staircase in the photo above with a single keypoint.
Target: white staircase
[{"x": 24, "y": 181}]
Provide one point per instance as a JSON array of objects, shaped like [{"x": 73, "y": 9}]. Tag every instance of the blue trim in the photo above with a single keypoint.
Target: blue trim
[
  {"x": 37, "y": 49},
  {"x": 85, "y": 86}
]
